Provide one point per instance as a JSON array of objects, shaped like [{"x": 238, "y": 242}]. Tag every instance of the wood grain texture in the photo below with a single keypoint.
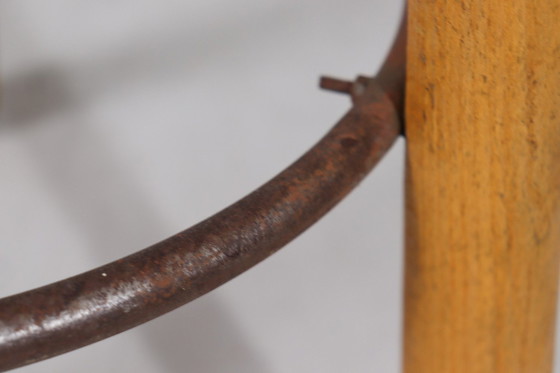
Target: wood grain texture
[{"x": 483, "y": 185}]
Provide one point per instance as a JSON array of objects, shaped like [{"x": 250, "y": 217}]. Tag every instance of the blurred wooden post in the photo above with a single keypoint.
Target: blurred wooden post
[{"x": 483, "y": 186}]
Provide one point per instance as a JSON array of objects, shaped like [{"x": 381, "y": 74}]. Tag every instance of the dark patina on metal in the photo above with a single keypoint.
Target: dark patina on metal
[{"x": 97, "y": 304}]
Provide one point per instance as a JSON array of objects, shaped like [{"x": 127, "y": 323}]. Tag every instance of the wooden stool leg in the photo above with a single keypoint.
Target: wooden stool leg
[{"x": 483, "y": 186}]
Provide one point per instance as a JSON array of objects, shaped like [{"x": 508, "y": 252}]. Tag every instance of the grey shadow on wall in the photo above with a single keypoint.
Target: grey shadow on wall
[{"x": 109, "y": 208}]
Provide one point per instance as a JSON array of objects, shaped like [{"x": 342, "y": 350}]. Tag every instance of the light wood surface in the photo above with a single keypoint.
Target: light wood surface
[{"x": 483, "y": 186}]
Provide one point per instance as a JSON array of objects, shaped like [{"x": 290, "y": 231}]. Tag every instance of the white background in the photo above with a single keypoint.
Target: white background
[{"x": 124, "y": 122}]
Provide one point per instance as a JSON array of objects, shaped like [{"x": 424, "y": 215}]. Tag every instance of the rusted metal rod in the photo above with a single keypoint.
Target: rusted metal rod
[{"x": 97, "y": 304}]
